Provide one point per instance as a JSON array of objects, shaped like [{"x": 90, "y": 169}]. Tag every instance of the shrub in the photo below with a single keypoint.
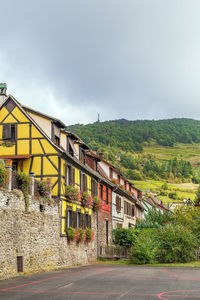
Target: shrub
[
  {"x": 71, "y": 234},
  {"x": 175, "y": 243},
  {"x": 124, "y": 237},
  {"x": 173, "y": 195},
  {"x": 143, "y": 251},
  {"x": 158, "y": 218},
  {"x": 24, "y": 182},
  {"x": 96, "y": 203}
]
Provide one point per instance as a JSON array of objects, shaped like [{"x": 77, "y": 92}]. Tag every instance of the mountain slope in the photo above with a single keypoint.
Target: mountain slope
[{"x": 132, "y": 135}]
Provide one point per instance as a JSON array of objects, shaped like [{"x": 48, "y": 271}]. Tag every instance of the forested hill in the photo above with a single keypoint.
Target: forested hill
[{"x": 132, "y": 135}]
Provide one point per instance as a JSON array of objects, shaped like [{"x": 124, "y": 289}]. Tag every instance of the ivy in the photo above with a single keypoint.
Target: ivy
[{"x": 24, "y": 182}]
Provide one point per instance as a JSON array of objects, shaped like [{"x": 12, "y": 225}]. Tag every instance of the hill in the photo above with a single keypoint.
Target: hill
[
  {"x": 158, "y": 150},
  {"x": 133, "y": 135}
]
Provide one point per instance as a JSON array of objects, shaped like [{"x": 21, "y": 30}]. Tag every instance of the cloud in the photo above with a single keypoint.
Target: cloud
[{"x": 134, "y": 59}]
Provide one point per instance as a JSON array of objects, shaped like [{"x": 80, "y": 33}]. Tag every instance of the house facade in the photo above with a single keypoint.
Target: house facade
[{"x": 40, "y": 144}]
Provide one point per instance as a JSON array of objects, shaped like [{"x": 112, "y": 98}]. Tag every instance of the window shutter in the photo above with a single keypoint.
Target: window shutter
[
  {"x": 70, "y": 174},
  {"x": 96, "y": 188},
  {"x": 83, "y": 220},
  {"x": 74, "y": 219},
  {"x": 6, "y": 131},
  {"x": 73, "y": 176},
  {"x": 89, "y": 221}
]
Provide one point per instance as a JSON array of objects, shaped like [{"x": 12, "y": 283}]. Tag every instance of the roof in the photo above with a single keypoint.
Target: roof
[{"x": 31, "y": 110}]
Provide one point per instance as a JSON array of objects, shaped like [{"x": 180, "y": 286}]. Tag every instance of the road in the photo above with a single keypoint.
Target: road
[{"x": 99, "y": 281}]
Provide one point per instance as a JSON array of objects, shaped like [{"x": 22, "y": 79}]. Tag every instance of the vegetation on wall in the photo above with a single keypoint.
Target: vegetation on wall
[{"x": 24, "y": 181}]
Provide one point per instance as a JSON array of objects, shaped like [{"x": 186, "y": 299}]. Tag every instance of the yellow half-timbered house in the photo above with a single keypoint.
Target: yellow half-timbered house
[{"x": 40, "y": 144}]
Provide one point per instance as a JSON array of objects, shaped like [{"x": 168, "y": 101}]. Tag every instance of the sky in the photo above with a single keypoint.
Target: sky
[{"x": 73, "y": 59}]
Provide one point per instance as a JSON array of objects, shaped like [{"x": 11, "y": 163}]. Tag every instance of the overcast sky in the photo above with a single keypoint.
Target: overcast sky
[{"x": 73, "y": 59}]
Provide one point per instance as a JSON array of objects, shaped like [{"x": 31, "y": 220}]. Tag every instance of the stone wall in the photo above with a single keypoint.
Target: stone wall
[{"x": 36, "y": 236}]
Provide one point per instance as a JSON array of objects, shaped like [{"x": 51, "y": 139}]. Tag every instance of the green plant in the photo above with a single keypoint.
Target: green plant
[
  {"x": 96, "y": 203},
  {"x": 24, "y": 181},
  {"x": 44, "y": 188},
  {"x": 7, "y": 144},
  {"x": 71, "y": 234},
  {"x": 3, "y": 175},
  {"x": 143, "y": 251},
  {"x": 89, "y": 235},
  {"x": 175, "y": 243},
  {"x": 72, "y": 193},
  {"x": 79, "y": 235},
  {"x": 86, "y": 199},
  {"x": 173, "y": 195},
  {"x": 124, "y": 237}
]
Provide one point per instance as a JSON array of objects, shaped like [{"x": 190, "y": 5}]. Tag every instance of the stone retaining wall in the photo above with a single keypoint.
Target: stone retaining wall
[{"x": 36, "y": 237}]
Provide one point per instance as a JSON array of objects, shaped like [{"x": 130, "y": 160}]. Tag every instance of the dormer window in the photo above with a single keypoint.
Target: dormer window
[
  {"x": 111, "y": 173},
  {"x": 57, "y": 140}
]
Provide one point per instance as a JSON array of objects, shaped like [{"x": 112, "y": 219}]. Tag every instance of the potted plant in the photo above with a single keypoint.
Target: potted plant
[
  {"x": 71, "y": 234},
  {"x": 97, "y": 203},
  {"x": 72, "y": 193},
  {"x": 80, "y": 235},
  {"x": 89, "y": 235},
  {"x": 86, "y": 199}
]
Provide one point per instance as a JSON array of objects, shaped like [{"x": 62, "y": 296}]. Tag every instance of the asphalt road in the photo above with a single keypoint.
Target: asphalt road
[{"x": 106, "y": 282}]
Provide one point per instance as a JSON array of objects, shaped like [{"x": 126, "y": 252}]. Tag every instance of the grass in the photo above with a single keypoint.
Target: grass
[
  {"x": 195, "y": 264},
  {"x": 183, "y": 190}
]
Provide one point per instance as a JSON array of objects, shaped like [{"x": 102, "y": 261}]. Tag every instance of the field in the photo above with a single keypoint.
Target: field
[
  {"x": 190, "y": 152},
  {"x": 182, "y": 190}
]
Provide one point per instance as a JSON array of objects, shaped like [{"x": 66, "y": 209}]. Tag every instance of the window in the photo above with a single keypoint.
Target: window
[
  {"x": 118, "y": 204},
  {"x": 111, "y": 173},
  {"x": 118, "y": 179},
  {"x": 87, "y": 220},
  {"x": 57, "y": 140},
  {"x": 101, "y": 191},
  {"x": 79, "y": 219},
  {"x": 133, "y": 210},
  {"x": 69, "y": 218},
  {"x": 82, "y": 156},
  {"x": 71, "y": 175},
  {"x": 94, "y": 187},
  {"x": 9, "y": 132},
  {"x": 107, "y": 196}
]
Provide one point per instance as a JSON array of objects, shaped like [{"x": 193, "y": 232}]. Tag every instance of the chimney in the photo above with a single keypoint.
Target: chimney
[{"x": 3, "y": 88}]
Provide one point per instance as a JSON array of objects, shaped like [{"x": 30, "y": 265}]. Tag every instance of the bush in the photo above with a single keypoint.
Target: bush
[
  {"x": 175, "y": 243},
  {"x": 3, "y": 175},
  {"x": 158, "y": 218},
  {"x": 124, "y": 237},
  {"x": 143, "y": 251},
  {"x": 173, "y": 195}
]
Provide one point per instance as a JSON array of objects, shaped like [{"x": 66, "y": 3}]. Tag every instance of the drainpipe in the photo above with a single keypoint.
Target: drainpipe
[{"x": 98, "y": 236}]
